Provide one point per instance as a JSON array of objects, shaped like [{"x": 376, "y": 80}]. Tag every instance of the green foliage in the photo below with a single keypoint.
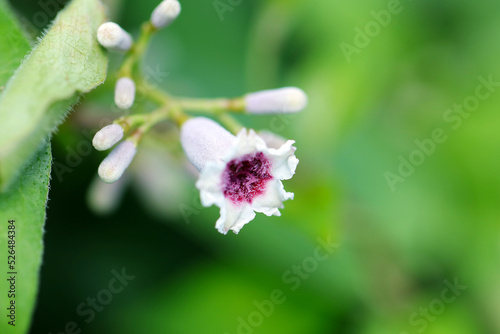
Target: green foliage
[
  {"x": 35, "y": 100},
  {"x": 67, "y": 62},
  {"x": 25, "y": 203},
  {"x": 13, "y": 45}
]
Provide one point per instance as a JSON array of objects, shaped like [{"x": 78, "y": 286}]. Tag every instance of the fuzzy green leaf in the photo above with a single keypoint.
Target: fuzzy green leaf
[
  {"x": 67, "y": 62},
  {"x": 25, "y": 203}
]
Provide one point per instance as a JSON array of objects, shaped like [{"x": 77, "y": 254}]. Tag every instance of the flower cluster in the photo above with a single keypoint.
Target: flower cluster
[{"x": 240, "y": 171}]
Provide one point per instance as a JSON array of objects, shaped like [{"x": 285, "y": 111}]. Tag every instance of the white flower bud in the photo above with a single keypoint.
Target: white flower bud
[
  {"x": 282, "y": 100},
  {"x": 112, "y": 168},
  {"x": 113, "y": 37},
  {"x": 107, "y": 137},
  {"x": 124, "y": 93},
  {"x": 203, "y": 139},
  {"x": 166, "y": 12}
]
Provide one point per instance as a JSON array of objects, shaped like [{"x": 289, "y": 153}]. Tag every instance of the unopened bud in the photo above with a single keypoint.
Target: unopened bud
[
  {"x": 165, "y": 13},
  {"x": 113, "y": 37},
  {"x": 112, "y": 168},
  {"x": 124, "y": 93},
  {"x": 282, "y": 100},
  {"x": 107, "y": 137},
  {"x": 203, "y": 139}
]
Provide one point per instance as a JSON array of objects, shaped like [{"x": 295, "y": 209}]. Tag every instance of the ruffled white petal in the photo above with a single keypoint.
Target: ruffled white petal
[
  {"x": 234, "y": 217},
  {"x": 271, "y": 201},
  {"x": 284, "y": 160},
  {"x": 246, "y": 143}
]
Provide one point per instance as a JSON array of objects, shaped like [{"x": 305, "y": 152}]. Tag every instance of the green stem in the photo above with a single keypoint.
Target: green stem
[
  {"x": 130, "y": 122},
  {"x": 212, "y": 105},
  {"x": 230, "y": 123},
  {"x": 137, "y": 50},
  {"x": 147, "y": 121},
  {"x": 154, "y": 94}
]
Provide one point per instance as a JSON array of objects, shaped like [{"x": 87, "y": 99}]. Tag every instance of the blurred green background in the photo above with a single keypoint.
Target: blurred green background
[{"x": 400, "y": 247}]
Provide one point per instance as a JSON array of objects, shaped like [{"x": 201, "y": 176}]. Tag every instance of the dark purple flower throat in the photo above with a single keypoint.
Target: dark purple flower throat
[{"x": 245, "y": 177}]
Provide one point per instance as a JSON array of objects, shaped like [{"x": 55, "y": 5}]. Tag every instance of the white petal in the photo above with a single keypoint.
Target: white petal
[
  {"x": 204, "y": 140},
  {"x": 272, "y": 140},
  {"x": 209, "y": 184},
  {"x": 246, "y": 143},
  {"x": 284, "y": 160},
  {"x": 233, "y": 217},
  {"x": 272, "y": 200}
]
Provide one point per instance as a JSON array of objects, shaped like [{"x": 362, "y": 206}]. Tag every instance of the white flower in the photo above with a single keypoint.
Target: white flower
[
  {"x": 282, "y": 100},
  {"x": 124, "y": 93},
  {"x": 107, "y": 137},
  {"x": 113, "y": 37},
  {"x": 166, "y": 12},
  {"x": 241, "y": 178}
]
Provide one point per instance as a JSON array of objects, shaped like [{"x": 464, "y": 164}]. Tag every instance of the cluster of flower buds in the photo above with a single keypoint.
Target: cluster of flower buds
[
  {"x": 115, "y": 164},
  {"x": 114, "y": 38},
  {"x": 241, "y": 172}
]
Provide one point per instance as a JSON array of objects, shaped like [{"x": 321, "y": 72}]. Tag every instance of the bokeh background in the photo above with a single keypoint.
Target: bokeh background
[{"x": 398, "y": 248}]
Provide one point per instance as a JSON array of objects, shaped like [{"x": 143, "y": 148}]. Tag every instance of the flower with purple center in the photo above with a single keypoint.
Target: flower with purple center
[
  {"x": 240, "y": 174},
  {"x": 245, "y": 178}
]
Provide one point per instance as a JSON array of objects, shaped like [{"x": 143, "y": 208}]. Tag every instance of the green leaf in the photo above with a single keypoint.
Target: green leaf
[
  {"x": 24, "y": 203},
  {"x": 13, "y": 44},
  {"x": 26, "y": 200},
  {"x": 67, "y": 62}
]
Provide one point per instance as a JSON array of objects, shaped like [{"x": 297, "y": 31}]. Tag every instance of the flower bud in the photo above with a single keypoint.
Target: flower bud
[
  {"x": 113, "y": 37},
  {"x": 124, "y": 93},
  {"x": 107, "y": 137},
  {"x": 112, "y": 168},
  {"x": 166, "y": 12},
  {"x": 282, "y": 100},
  {"x": 204, "y": 139}
]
